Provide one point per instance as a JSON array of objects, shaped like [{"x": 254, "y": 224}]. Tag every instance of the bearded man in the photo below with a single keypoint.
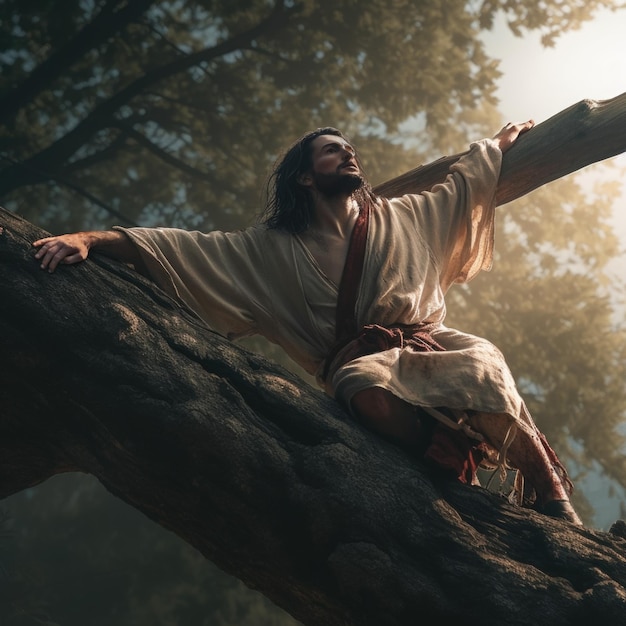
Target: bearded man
[{"x": 352, "y": 287}]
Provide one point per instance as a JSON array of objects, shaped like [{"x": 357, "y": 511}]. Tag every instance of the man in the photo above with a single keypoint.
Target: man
[{"x": 352, "y": 287}]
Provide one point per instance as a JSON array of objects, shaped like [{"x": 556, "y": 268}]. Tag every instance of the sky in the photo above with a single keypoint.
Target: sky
[
  {"x": 540, "y": 82},
  {"x": 537, "y": 83}
]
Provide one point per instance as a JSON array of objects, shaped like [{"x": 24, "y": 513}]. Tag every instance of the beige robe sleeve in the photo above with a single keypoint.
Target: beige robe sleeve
[
  {"x": 457, "y": 217},
  {"x": 218, "y": 275}
]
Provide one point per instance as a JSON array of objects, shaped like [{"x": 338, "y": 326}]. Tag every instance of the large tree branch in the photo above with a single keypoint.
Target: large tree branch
[
  {"x": 103, "y": 373},
  {"x": 584, "y": 133}
]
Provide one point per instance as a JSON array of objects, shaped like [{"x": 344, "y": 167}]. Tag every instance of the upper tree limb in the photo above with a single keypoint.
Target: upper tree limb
[{"x": 75, "y": 247}]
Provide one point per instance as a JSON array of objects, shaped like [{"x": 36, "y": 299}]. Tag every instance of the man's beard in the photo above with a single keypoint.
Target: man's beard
[{"x": 337, "y": 184}]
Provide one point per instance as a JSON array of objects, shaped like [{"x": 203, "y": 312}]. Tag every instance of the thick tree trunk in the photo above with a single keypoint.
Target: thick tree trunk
[{"x": 103, "y": 373}]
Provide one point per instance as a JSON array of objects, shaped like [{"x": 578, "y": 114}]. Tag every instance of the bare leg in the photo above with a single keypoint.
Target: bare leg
[
  {"x": 414, "y": 429},
  {"x": 387, "y": 415}
]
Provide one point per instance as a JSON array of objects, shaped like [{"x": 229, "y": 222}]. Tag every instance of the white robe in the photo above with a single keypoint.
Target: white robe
[{"x": 267, "y": 282}]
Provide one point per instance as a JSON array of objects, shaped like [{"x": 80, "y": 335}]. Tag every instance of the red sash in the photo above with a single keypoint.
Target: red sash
[{"x": 345, "y": 320}]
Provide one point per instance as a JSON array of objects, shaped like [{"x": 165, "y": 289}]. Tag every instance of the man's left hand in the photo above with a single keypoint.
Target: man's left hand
[{"x": 508, "y": 135}]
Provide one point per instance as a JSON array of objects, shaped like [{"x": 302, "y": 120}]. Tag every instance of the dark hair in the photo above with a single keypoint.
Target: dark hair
[{"x": 289, "y": 204}]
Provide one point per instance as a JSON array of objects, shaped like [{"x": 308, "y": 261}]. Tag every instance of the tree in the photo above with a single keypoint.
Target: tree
[
  {"x": 261, "y": 473},
  {"x": 100, "y": 101},
  {"x": 171, "y": 112}
]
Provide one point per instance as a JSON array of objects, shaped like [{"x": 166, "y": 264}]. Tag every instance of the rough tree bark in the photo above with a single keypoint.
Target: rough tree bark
[{"x": 103, "y": 373}]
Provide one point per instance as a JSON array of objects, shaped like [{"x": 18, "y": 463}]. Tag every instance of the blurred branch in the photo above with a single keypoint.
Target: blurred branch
[
  {"x": 99, "y": 30},
  {"x": 268, "y": 53},
  {"x": 162, "y": 154},
  {"x": 125, "y": 221},
  {"x": 171, "y": 44},
  {"x": 65, "y": 182},
  {"x": 103, "y": 114},
  {"x": 108, "y": 152}
]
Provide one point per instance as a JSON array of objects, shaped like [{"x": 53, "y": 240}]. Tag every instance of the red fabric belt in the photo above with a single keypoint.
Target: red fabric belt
[{"x": 375, "y": 338}]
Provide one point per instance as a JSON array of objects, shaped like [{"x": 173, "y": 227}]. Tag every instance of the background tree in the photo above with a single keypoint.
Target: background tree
[{"x": 171, "y": 113}]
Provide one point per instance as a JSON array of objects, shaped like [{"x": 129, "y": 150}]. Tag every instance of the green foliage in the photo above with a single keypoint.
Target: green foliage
[
  {"x": 171, "y": 112},
  {"x": 550, "y": 18}
]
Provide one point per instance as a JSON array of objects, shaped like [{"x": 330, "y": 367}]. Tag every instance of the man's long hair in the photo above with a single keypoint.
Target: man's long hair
[{"x": 289, "y": 204}]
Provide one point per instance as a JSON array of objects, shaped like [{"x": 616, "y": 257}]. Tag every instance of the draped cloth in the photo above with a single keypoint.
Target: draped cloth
[
  {"x": 445, "y": 448},
  {"x": 267, "y": 282}
]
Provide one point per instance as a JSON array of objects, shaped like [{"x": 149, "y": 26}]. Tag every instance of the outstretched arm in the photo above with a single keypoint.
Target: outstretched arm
[{"x": 75, "y": 247}]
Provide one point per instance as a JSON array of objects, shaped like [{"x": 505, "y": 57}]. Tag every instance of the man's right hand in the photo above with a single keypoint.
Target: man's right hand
[
  {"x": 66, "y": 249},
  {"x": 75, "y": 247}
]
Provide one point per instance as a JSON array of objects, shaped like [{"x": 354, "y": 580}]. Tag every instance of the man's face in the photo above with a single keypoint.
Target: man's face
[{"x": 334, "y": 168}]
